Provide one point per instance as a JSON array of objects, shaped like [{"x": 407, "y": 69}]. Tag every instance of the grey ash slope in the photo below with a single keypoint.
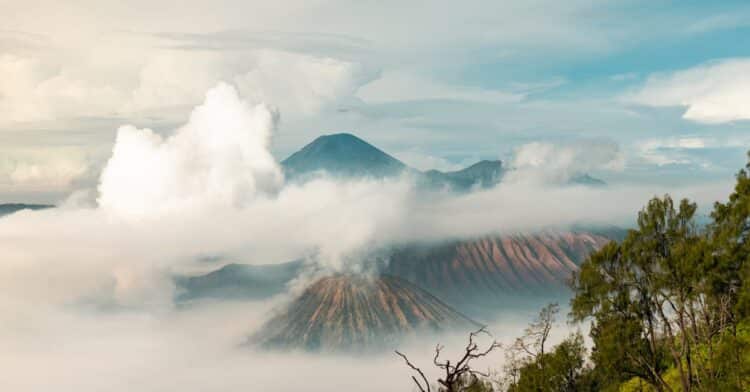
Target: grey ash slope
[
  {"x": 358, "y": 313},
  {"x": 478, "y": 273}
]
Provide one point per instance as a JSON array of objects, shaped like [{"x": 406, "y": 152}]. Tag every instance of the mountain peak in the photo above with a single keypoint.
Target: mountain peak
[
  {"x": 340, "y": 137},
  {"x": 484, "y": 174},
  {"x": 345, "y": 155},
  {"x": 342, "y": 155}
]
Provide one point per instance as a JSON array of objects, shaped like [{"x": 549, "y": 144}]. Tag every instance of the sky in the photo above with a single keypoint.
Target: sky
[
  {"x": 157, "y": 127},
  {"x": 437, "y": 84}
]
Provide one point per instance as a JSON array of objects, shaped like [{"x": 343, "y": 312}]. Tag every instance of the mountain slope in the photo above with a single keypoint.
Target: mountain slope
[
  {"x": 492, "y": 268},
  {"x": 484, "y": 174},
  {"x": 238, "y": 281},
  {"x": 462, "y": 273},
  {"x": 348, "y": 312}
]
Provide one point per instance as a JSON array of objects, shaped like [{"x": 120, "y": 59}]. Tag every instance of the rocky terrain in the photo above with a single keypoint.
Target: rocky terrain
[
  {"x": 353, "y": 312},
  {"x": 495, "y": 267}
]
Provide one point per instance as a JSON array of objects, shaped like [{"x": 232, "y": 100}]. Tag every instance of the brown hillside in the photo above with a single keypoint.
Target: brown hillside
[
  {"x": 348, "y": 312},
  {"x": 495, "y": 266}
]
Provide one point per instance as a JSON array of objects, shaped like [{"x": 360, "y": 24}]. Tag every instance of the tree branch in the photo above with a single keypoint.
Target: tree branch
[{"x": 418, "y": 370}]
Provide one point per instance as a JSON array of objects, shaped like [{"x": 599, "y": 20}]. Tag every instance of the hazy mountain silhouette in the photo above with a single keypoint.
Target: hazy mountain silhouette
[
  {"x": 9, "y": 208},
  {"x": 346, "y": 156},
  {"x": 238, "y": 281},
  {"x": 483, "y": 174},
  {"x": 489, "y": 270},
  {"x": 462, "y": 272}
]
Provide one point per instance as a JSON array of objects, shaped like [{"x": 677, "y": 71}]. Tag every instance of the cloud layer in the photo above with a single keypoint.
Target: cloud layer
[
  {"x": 87, "y": 290},
  {"x": 716, "y": 92},
  {"x": 212, "y": 187},
  {"x": 557, "y": 163}
]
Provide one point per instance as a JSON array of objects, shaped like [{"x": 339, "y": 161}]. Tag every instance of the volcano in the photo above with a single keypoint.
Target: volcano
[
  {"x": 478, "y": 271},
  {"x": 342, "y": 155},
  {"x": 354, "y": 313}
]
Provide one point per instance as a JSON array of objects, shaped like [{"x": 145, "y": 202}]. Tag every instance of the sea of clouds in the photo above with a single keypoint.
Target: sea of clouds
[{"x": 87, "y": 288}]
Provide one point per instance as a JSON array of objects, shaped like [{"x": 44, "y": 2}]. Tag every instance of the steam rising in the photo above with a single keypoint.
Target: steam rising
[{"x": 87, "y": 291}]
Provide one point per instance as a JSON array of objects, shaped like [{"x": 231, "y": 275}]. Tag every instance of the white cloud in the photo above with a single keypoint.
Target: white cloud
[
  {"x": 687, "y": 142},
  {"x": 300, "y": 83},
  {"x": 175, "y": 78},
  {"x": 45, "y": 169},
  {"x": 185, "y": 188},
  {"x": 197, "y": 350},
  {"x": 691, "y": 143},
  {"x": 213, "y": 187},
  {"x": 220, "y": 157},
  {"x": 42, "y": 89},
  {"x": 33, "y": 91},
  {"x": 723, "y": 21},
  {"x": 712, "y": 93},
  {"x": 421, "y": 160},
  {"x": 558, "y": 163},
  {"x": 662, "y": 158}
]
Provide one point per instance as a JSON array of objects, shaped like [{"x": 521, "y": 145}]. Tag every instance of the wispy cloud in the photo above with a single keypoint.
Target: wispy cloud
[{"x": 716, "y": 92}]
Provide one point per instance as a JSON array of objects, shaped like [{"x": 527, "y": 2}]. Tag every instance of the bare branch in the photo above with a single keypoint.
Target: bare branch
[
  {"x": 418, "y": 370},
  {"x": 438, "y": 348},
  {"x": 456, "y": 373}
]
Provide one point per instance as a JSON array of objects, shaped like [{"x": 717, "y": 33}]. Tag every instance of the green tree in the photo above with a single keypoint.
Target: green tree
[
  {"x": 670, "y": 304},
  {"x": 727, "y": 273},
  {"x": 530, "y": 348},
  {"x": 638, "y": 294},
  {"x": 730, "y": 242},
  {"x": 560, "y": 370}
]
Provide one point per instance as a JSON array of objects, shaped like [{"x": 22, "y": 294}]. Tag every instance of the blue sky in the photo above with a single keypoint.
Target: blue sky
[{"x": 438, "y": 84}]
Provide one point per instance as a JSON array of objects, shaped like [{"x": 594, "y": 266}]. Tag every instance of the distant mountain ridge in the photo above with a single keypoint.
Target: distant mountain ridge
[
  {"x": 238, "y": 281},
  {"x": 483, "y": 174},
  {"x": 344, "y": 155},
  {"x": 9, "y": 208},
  {"x": 485, "y": 269},
  {"x": 492, "y": 268}
]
